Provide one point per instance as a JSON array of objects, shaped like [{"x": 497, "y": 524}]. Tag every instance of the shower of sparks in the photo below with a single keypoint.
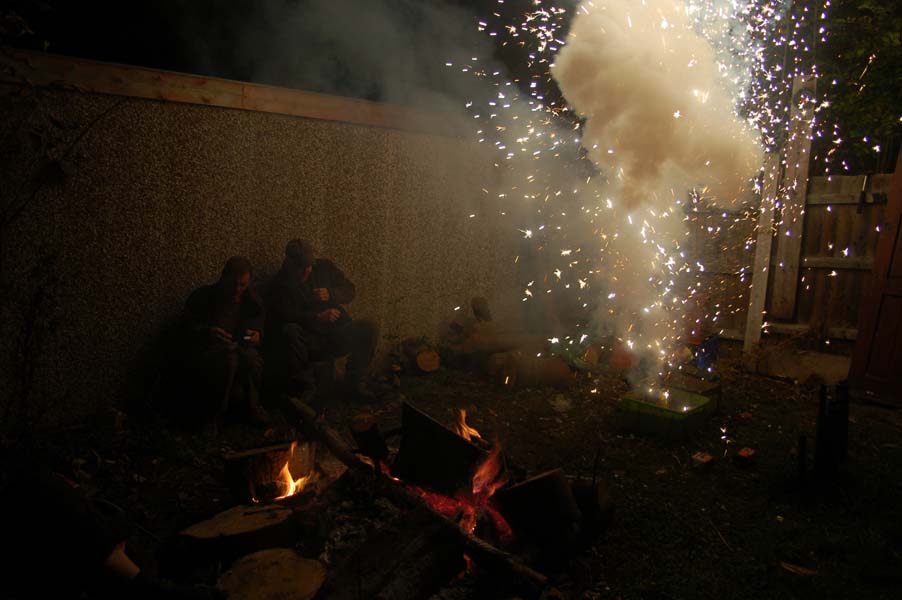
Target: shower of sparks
[{"x": 761, "y": 47}]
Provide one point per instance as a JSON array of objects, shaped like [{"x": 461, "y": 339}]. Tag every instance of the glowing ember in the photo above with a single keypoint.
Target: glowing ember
[
  {"x": 488, "y": 477},
  {"x": 467, "y": 507}
]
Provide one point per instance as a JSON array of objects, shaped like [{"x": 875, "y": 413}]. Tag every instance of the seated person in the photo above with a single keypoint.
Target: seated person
[
  {"x": 224, "y": 323},
  {"x": 308, "y": 322}
]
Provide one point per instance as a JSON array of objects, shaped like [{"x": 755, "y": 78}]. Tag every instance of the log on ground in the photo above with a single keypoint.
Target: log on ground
[
  {"x": 367, "y": 436},
  {"x": 275, "y": 574},
  {"x": 241, "y": 530},
  {"x": 542, "y": 509},
  {"x": 420, "y": 356}
]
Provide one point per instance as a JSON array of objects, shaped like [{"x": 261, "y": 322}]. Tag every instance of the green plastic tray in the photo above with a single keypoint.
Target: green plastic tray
[{"x": 673, "y": 418}]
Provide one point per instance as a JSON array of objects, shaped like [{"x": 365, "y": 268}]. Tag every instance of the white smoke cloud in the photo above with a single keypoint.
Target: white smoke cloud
[
  {"x": 659, "y": 115},
  {"x": 659, "y": 122}
]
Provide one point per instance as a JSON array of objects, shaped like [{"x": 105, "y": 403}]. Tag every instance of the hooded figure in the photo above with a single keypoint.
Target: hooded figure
[{"x": 224, "y": 323}]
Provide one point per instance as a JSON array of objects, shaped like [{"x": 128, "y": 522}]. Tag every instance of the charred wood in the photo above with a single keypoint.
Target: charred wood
[
  {"x": 434, "y": 456},
  {"x": 544, "y": 510},
  {"x": 529, "y": 582},
  {"x": 368, "y": 438}
]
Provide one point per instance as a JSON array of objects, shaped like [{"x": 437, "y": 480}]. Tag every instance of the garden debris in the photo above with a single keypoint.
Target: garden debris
[
  {"x": 745, "y": 457},
  {"x": 702, "y": 460},
  {"x": 797, "y": 569}
]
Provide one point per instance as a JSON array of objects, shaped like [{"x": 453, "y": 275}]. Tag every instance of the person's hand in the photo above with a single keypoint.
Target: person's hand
[
  {"x": 218, "y": 334},
  {"x": 321, "y": 294},
  {"x": 329, "y": 316},
  {"x": 252, "y": 337}
]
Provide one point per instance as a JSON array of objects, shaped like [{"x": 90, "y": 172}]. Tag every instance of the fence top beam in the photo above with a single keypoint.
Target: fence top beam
[{"x": 88, "y": 76}]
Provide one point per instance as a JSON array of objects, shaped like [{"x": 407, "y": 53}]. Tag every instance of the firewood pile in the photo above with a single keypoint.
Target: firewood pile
[
  {"x": 509, "y": 358},
  {"x": 402, "y": 515}
]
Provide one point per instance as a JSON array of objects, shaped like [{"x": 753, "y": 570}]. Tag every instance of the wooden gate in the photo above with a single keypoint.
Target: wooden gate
[{"x": 877, "y": 359}]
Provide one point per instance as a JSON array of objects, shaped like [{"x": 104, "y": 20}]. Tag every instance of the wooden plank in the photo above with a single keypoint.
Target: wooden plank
[
  {"x": 878, "y": 351},
  {"x": 789, "y": 234},
  {"x": 847, "y": 189},
  {"x": 836, "y": 333},
  {"x": 731, "y": 334},
  {"x": 761, "y": 266},
  {"x": 829, "y": 262},
  {"x": 49, "y": 70}
]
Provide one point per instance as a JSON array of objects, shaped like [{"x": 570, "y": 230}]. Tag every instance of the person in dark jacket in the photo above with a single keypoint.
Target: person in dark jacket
[
  {"x": 307, "y": 321},
  {"x": 224, "y": 322}
]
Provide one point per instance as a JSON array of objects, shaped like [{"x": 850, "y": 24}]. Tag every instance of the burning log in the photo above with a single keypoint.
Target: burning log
[
  {"x": 543, "y": 509},
  {"x": 272, "y": 575},
  {"x": 529, "y": 581},
  {"x": 368, "y": 438},
  {"x": 434, "y": 456},
  {"x": 264, "y": 474},
  {"x": 410, "y": 557},
  {"x": 241, "y": 530}
]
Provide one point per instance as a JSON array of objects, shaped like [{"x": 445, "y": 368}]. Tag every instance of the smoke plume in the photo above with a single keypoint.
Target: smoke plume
[
  {"x": 659, "y": 122},
  {"x": 659, "y": 115}
]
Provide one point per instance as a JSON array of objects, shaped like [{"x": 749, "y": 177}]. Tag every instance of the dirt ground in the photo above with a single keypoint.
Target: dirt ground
[{"x": 678, "y": 531}]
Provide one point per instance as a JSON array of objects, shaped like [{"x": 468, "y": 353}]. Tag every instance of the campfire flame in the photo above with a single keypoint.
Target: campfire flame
[
  {"x": 488, "y": 477},
  {"x": 464, "y": 430},
  {"x": 468, "y": 507},
  {"x": 291, "y": 485},
  {"x": 286, "y": 483}
]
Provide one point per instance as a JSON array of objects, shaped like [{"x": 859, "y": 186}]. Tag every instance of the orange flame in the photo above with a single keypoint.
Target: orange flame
[
  {"x": 486, "y": 480},
  {"x": 464, "y": 430},
  {"x": 287, "y": 483}
]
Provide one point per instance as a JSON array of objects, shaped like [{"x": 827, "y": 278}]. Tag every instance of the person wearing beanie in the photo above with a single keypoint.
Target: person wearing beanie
[{"x": 308, "y": 321}]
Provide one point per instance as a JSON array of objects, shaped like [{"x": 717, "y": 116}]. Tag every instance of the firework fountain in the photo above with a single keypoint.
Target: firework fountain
[{"x": 668, "y": 104}]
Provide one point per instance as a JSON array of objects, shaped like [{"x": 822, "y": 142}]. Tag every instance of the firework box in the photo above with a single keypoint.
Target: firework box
[
  {"x": 694, "y": 381},
  {"x": 671, "y": 418}
]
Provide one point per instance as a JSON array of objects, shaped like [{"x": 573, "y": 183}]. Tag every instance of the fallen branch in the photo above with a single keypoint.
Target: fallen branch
[
  {"x": 720, "y": 535},
  {"x": 529, "y": 581}
]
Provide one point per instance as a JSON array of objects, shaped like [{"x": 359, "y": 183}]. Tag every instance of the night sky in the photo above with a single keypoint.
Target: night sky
[{"x": 384, "y": 50}]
